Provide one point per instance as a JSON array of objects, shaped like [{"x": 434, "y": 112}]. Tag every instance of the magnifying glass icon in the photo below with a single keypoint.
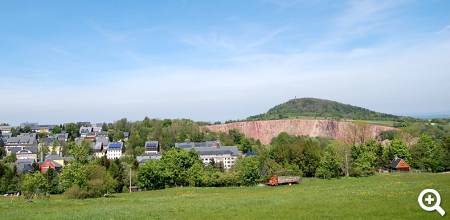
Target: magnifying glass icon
[{"x": 432, "y": 197}]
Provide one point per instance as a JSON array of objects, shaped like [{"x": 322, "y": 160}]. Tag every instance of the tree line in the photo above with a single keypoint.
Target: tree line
[{"x": 424, "y": 147}]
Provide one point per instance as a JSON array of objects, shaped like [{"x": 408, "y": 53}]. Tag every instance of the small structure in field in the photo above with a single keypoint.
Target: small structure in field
[
  {"x": 280, "y": 180},
  {"x": 400, "y": 165}
]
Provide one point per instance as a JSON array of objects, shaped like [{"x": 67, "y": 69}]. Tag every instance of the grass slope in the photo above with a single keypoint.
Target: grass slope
[
  {"x": 392, "y": 196},
  {"x": 312, "y": 107}
]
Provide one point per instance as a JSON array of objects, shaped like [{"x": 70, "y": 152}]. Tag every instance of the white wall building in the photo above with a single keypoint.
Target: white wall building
[
  {"x": 225, "y": 155},
  {"x": 114, "y": 150}
]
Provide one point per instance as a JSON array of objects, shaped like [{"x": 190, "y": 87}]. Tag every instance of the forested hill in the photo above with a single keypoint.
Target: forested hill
[{"x": 313, "y": 107}]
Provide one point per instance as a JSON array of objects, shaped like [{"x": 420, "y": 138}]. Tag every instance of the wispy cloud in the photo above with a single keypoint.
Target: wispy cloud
[
  {"x": 254, "y": 66},
  {"x": 239, "y": 41},
  {"x": 360, "y": 19}
]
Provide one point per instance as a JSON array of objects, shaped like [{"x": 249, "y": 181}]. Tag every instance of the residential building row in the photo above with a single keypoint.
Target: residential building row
[{"x": 26, "y": 147}]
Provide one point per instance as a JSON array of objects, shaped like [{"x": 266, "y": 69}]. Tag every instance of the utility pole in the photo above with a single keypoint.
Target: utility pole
[{"x": 130, "y": 181}]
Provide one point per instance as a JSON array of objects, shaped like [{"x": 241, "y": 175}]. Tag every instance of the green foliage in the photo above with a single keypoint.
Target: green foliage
[
  {"x": 2, "y": 151},
  {"x": 75, "y": 192},
  {"x": 90, "y": 181},
  {"x": 364, "y": 159},
  {"x": 80, "y": 153},
  {"x": 428, "y": 154},
  {"x": 303, "y": 152},
  {"x": 312, "y": 107},
  {"x": 74, "y": 174},
  {"x": 418, "y": 129},
  {"x": 73, "y": 130},
  {"x": 56, "y": 130},
  {"x": 11, "y": 158},
  {"x": 398, "y": 149},
  {"x": 247, "y": 170},
  {"x": 34, "y": 184},
  {"x": 388, "y": 135},
  {"x": 53, "y": 181},
  {"x": 371, "y": 198},
  {"x": 177, "y": 162},
  {"x": 9, "y": 180},
  {"x": 117, "y": 172},
  {"x": 152, "y": 175},
  {"x": 446, "y": 148},
  {"x": 329, "y": 166},
  {"x": 99, "y": 182},
  {"x": 195, "y": 174}
]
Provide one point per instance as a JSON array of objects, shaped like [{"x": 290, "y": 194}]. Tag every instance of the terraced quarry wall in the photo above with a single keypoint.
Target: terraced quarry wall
[{"x": 266, "y": 130}]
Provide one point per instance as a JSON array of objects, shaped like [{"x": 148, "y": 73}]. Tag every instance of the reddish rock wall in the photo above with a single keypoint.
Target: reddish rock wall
[{"x": 266, "y": 130}]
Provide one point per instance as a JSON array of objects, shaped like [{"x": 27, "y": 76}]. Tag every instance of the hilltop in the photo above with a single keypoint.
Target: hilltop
[{"x": 321, "y": 108}]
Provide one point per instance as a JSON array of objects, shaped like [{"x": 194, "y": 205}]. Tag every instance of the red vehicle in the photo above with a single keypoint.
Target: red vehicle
[{"x": 280, "y": 180}]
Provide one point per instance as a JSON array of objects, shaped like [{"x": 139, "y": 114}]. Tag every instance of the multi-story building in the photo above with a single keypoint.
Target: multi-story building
[
  {"x": 25, "y": 140},
  {"x": 212, "y": 152},
  {"x": 151, "y": 147},
  {"x": 114, "y": 150}
]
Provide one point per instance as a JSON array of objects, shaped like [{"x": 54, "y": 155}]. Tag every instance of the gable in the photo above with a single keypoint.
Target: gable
[{"x": 402, "y": 164}]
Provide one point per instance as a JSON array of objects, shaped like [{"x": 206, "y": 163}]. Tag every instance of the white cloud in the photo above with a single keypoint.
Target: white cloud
[
  {"x": 393, "y": 79},
  {"x": 247, "y": 39}
]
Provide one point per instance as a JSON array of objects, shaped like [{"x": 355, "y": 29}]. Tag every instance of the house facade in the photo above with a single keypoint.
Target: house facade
[
  {"x": 114, "y": 150},
  {"x": 151, "y": 147},
  {"x": 49, "y": 164},
  {"x": 213, "y": 152},
  {"x": 399, "y": 164},
  {"x": 101, "y": 146}
]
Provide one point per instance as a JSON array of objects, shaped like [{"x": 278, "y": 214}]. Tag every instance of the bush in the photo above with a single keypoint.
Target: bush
[
  {"x": 329, "y": 166},
  {"x": 247, "y": 170},
  {"x": 152, "y": 175},
  {"x": 75, "y": 192},
  {"x": 364, "y": 159},
  {"x": 428, "y": 154},
  {"x": 34, "y": 184}
]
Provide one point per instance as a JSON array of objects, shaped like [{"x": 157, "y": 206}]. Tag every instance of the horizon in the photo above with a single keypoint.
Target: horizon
[{"x": 216, "y": 61}]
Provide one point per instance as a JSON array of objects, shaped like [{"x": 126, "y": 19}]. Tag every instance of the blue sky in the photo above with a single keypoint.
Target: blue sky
[{"x": 215, "y": 60}]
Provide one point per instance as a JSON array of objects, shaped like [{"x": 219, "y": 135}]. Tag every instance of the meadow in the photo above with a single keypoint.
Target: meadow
[{"x": 384, "y": 196}]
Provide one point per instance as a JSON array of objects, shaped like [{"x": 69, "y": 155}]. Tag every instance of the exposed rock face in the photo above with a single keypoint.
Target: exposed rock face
[{"x": 266, "y": 130}]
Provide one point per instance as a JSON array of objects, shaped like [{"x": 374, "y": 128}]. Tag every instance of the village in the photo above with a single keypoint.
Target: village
[{"x": 28, "y": 148}]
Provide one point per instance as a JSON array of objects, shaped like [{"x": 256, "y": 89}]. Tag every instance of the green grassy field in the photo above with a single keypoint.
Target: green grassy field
[{"x": 389, "y": 196}]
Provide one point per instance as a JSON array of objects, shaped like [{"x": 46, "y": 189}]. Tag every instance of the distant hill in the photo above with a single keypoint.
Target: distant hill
[{"x": 321, "y": 108}]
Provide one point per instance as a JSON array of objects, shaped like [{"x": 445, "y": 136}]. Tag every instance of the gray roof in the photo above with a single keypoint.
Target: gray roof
[
  {"x": 5, "y": 128},
  {"x": 151, "y": 145},
  {"x": 232, "y": 150},
  {"x": 32, "y": 149},
  {"x": 24, "y": 165},
  {"x": 395, "y": 162},
  {"x": 53, "y": 157},
  {"x": 5, "y": 136},
  {"x": 145, "y": 158},
  {"x": 198, "y": 144},
  {"x": 102, "y": 139},
  {"x": 61, "y": 136},
  {"x": 22, "y": 139},
  {"x": 85, "y": 130},
  {"x": 14, "y": 149},
  {"x": 101, "y": 142}
]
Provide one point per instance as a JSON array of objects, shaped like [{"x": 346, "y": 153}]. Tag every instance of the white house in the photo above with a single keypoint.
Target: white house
[
  {"x": 225, "y": 155},
  {"x": 114, "y": 150},
  {"x": 151, "y": 147},
  {"x": 26, "y": 154}
]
